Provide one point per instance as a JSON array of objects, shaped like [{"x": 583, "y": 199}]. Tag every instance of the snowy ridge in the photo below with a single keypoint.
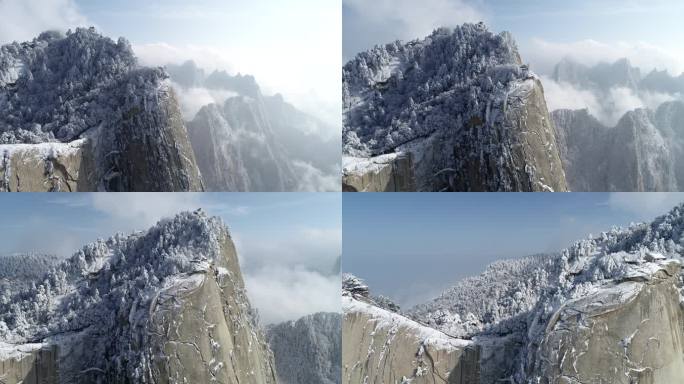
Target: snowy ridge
[
  {"x": 390, "y": 320},
  {"x": 104, "y": 294}
]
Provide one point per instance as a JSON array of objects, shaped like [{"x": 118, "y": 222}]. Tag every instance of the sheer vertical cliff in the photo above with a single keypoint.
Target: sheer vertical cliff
[
  {"x": 461, "y": 104},
  {"x": 163, "y": 306}
]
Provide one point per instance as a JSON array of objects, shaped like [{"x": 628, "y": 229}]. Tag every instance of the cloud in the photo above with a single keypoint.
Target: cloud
[
  {"x": 543, "y": 55},
  {"x": 143, "y": 210},
  {"x": 645, "y": 205},
  {"x": 608, "y": 107},
  {"x": 193, "y": 99},
  {"x": 313, "y": 248},
  {"x": 22, "y": 20},
  {"x": 562, "y": 95},
  {"x": 320, "y": 98},
  {"x": 313, "y": 179},
  {"x": 368, "y": 23},
  {"x": 285, "y": 293}
]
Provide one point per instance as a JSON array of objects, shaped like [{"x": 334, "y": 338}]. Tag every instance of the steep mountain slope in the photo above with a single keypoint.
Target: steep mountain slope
[
  {"x": 308, "y": 350},
  {"x": 459, "y": 105},
  {"x": 78, "y": 113},
  {"x": 635, "y": 155},
  {"x": 163, "y": 306},
  {"x": 605, "y": 309},
  {"x": 253, "y": 142}
]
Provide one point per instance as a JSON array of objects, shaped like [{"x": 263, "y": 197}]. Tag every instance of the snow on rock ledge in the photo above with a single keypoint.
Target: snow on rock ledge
[
  {"x": 48, "y": 167},
  {"x": 385, "y": 173},
  {"x": 385, "y": 347}
]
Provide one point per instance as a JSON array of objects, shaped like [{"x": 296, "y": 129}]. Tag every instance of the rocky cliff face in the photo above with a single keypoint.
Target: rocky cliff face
[
  {"x": 308, "y": 350},
  {"x": 629, "y": 331},
  {"x": 475, "y": 122},
  {"x": 117, "y": 126},
  {"x": 641, "y": 153},
  {"x": 381, "y": 346},
  {"x": 163, "y": 306}
]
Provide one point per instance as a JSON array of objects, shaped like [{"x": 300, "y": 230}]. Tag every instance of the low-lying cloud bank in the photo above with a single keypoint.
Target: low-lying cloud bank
[
  {"x": 608, "y": 107},
  {"x": 288, "y": 293}
]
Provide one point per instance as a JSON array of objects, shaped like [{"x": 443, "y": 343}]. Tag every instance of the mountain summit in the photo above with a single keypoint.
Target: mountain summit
[
  {"x": 456, "y": 111},
  {"x": 78, "y": 113}
]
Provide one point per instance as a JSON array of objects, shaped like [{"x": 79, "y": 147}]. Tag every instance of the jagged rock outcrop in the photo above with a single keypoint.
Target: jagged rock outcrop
[
  {"x": 163, "y": 306},
  {"x": 87, "y": 117},
  {"x": 461, "y": 104},
  {"x": 253, "y": 142},
  {"x": 641, "y": 153},
  {"x": 308, "y": 350},
  {"x": 629, "y": 331},
  {"x": 382, "y": 346}
]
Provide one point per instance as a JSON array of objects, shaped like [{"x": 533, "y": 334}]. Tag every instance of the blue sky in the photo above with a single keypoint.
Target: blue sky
[
  {"x": 288, "y": 243},
  {"x": 292, "y": 47},
  {"x": 411, "y": 246},
  {"x": 647, "y": 32}
]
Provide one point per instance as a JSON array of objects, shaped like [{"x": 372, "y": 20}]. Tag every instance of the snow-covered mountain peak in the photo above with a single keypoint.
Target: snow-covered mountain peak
[{"x": 54, "y": 87}]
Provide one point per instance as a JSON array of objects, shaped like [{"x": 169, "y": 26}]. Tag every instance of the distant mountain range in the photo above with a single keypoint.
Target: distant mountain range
[{"x": 644, "y": 151}]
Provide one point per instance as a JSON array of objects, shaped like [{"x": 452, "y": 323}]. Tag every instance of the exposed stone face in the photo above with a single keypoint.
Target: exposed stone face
[
  {"x": 148, "y": 150},
  {"x": 385, "y": 347},
  {"x": 388, "y": 173},
  {"x": 32, "y": 364},
  {"x": 628, "y": 332},
  {"x": 531, "y": 161},
  {"x": 228, "y": 348},
  {"x": 48, "y": 167}
]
